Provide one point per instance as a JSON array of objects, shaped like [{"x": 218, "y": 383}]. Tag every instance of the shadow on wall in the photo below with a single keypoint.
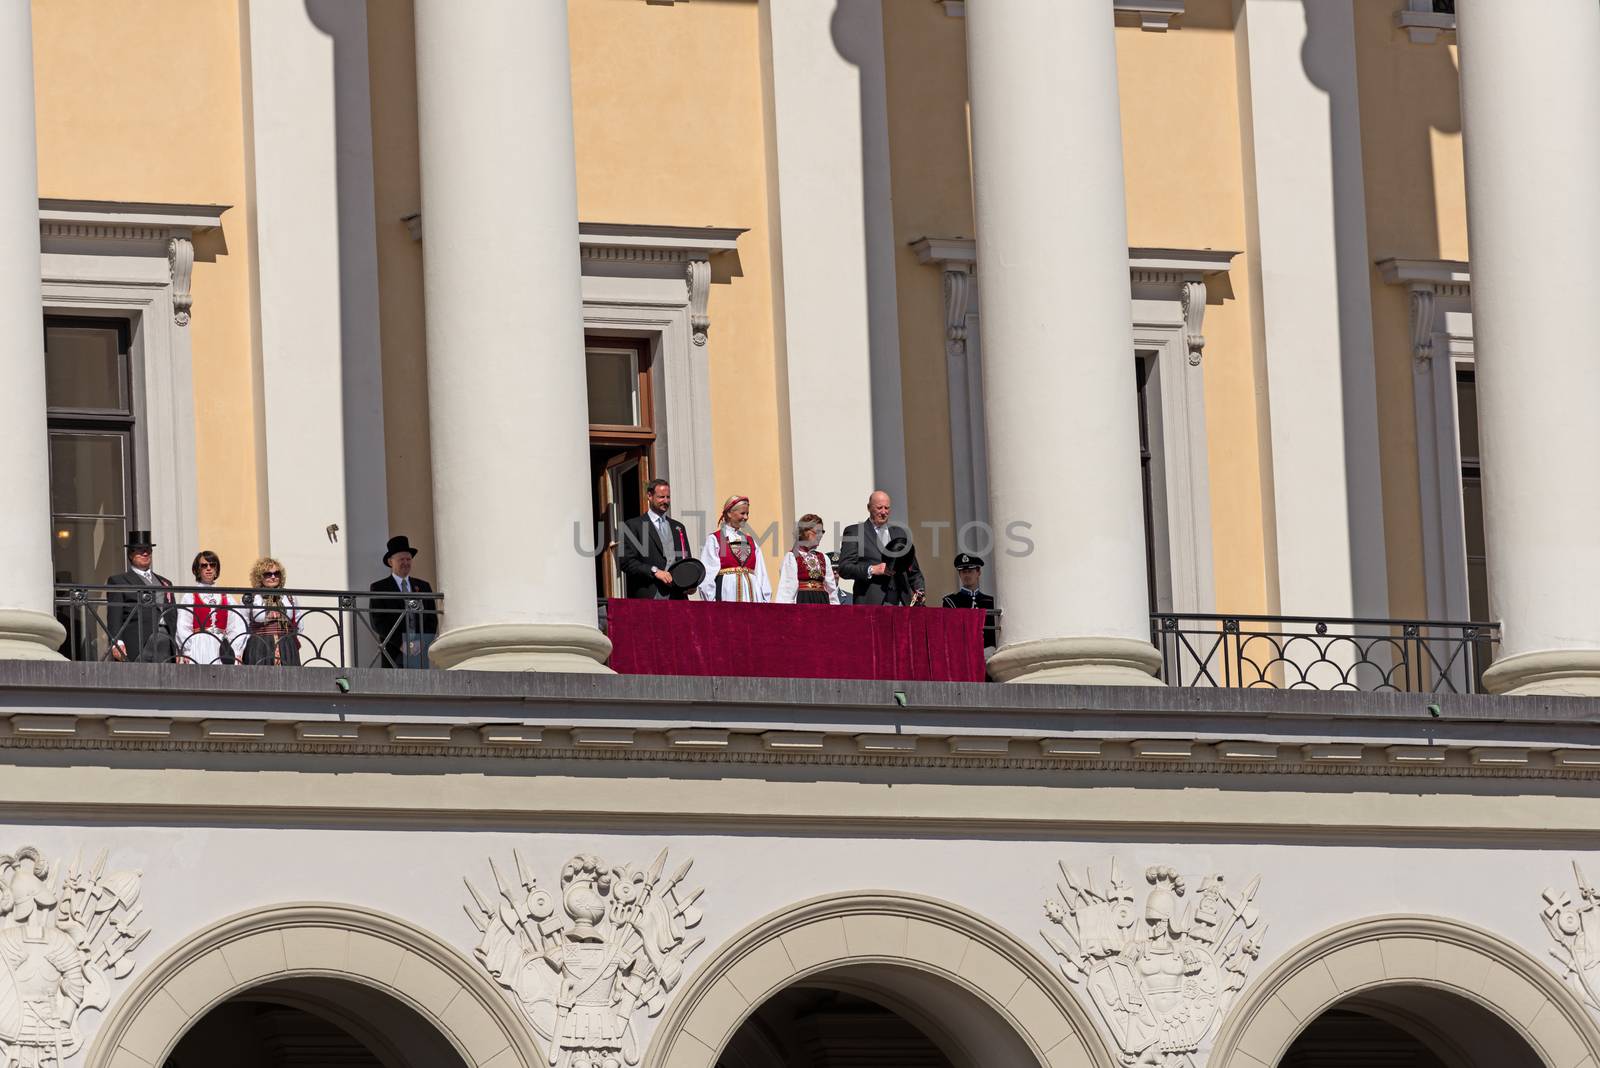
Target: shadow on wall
[{"x": 361, "y": 371}]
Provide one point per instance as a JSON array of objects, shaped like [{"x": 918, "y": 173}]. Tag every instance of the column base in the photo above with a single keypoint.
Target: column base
[
  {"x": 1547, "y": 672},
  {"x": 29, "y": 635},
  {"x": 559, "y": 647},
  {"x": 1078, "y": 662}
]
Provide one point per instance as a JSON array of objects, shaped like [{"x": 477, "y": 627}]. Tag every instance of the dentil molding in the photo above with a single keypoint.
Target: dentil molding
[
  {"x": 67, "y": 933},
  {"x": 584, "y": 957},
  {"x": 1161, "y": 976},
  {"x": 1427, "y": 281}
]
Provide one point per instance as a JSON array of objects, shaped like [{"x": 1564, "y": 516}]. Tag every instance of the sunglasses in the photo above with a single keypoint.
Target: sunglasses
[
  {"x": 271, "y": 574},
  {"x": 205, "y": 566}
]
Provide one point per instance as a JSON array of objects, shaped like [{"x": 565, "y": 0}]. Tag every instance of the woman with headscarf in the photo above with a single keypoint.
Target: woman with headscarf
[
  {"x": 209, "y": 628},
  {"x": 272, "y": 617},
  {"x": 734, "y": 568},
  {"x": 806, "y": 576}
]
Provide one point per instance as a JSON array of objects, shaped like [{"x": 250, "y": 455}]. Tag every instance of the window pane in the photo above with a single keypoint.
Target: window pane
[
  {"x": 86, "y": 473},
  {"x": 84, "y": 367},
  {"x": 613, "y": 387},
  {"x": 1467, "y": 413},
  {"x": 1472, "y": 513},
  {"x": 88, "y": 550}
]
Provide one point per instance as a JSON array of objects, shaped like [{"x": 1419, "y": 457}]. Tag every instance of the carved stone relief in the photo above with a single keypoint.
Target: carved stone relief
[
  {"x": 583, "y": 958},
  {"x": 66, "y": 934},
  {"x": 1573, "y": 921},
  {"x": 1163, "y": 978}
]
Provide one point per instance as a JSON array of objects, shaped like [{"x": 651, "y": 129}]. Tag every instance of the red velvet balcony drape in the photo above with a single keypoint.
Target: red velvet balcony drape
[{"x": 795, "y": 641}]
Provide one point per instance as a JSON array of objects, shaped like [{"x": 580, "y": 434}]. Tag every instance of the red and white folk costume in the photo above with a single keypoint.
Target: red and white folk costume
[
  {"x": 735, "y": 570},
  {"x": 207, "y": 622},
  {"x": 806, "y": 577}
]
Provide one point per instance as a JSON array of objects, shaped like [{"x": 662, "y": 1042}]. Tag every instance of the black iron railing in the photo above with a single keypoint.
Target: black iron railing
[
  {"x": 306, "y": 628},
  {"x": 1323, "y": 653}
]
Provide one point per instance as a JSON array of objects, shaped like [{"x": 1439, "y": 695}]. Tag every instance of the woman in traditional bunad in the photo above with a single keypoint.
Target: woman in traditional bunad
[
  {"x": 734, "y": 568},
  {"x": 273, "y": 618},
  {"x": 806, "y": 576},
  {"x": 210, "y": 627}
]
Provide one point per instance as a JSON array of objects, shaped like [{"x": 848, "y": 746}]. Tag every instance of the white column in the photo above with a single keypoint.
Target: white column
[
  {"x": 1305, "y": 191},
  {"x": 507, "y": 392},
  {"x": 28, "y": 630},
  {"x": 1061, "y": 413},
  {"x": 839, "y": 319},
  {"x": 317, "y": 265},
  {"x": 1530, "y": 94}
]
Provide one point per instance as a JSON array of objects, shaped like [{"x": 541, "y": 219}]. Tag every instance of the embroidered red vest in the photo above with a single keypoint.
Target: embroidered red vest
[
  {"x": 204, "y": 614},
  {"x": 725, "y": 554}
]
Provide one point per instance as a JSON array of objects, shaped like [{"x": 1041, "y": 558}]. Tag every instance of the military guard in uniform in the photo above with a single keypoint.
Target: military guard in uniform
[{"x": 969, "y": 570}]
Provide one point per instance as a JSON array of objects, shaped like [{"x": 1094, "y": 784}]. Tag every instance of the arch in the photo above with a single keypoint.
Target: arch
[
  {"x": 842, "y": 933},
  {"x": 1405, "y": 951},
  {"x": 277, "y": 944}
]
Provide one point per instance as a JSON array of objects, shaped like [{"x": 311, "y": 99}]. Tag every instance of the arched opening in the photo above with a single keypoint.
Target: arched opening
[
  {"x": 313, "y": 1021},
  {"x": 870, "y": 978},
  {"x": 1407, "y": 991},
  {"x": 272, "y": 985},
  {"x": 1409, "y": 1027},
  {"x": 875, "y": 1014}
]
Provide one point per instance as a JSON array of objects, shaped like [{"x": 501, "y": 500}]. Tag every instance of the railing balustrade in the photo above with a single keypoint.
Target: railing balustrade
[
  {"x": 1323, "y": 653},
  {"x": 289, "y": 627}
]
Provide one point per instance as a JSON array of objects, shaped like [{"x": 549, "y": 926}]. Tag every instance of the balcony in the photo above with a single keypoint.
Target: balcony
[{"x": 347, "y": 629}]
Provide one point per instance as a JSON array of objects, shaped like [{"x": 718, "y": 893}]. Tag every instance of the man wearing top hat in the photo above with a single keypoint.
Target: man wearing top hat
[
  {"x": 139, "y": 613},
  {"x": 406, "y": 634},
  {"x": 969, "y": 570},
  {"x": 649, "y": 545}
]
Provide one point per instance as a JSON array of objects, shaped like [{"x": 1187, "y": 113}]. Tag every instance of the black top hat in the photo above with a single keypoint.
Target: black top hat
[
  {"x": 687, "y": 573},
  {"x": 398, "y": 544},
  {"x": 139, "y": 539},
  {"x": 966, "y": 560}
]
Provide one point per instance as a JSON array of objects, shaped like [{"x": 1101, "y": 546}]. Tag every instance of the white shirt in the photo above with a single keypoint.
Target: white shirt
[
  {"x": 403, "y": 583},
  {"x": 883, "y": 534},
  {"x": 148, "y": 576},
  {"x": 663, "y": 531}
]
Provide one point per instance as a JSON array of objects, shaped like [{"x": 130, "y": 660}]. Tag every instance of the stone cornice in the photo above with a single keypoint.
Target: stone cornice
[
  {"x": 1397, "y": 272},
  {"x": 1196, "y": 753},
  {"x": 638, "y": 243},
  {"x": 1147, "y": 264},
  {"x": 1155, "y": 15},
  {"x": 126, "y": 221}
]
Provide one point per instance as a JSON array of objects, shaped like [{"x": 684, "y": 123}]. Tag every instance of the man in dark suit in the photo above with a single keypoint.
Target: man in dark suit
[
  {"x": 879, "y": 557},
  {"x": 139, "y": 614},
  {"x": 969, "y": 570},
  {"x": 648, "y": 545},
  {"x": 405, "y": 633}
]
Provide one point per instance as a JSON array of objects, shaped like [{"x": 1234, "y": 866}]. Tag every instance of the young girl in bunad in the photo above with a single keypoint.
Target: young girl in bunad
[
  {"x": 734, "y": 568},
  {"x": 210, "y": 628},
  {"x": 806, "y": 576}
]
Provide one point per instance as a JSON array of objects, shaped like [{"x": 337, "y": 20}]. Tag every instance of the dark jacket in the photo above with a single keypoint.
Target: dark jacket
[
  {"x": 390, "y": 619},
  {"x": 859, "y": 550},
  {"x": 966, "y": 599},
  {"x": 142, "y": 618},
  {"x": 640, "y": 554}
]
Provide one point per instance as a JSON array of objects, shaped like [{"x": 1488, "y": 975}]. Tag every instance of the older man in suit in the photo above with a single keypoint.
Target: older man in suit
[
  {"x": 879, "y": 557},
  {"x": 649, "y": 544},
  {"x": 406, "y": 633},
  {"x": 139, "y": 614}
]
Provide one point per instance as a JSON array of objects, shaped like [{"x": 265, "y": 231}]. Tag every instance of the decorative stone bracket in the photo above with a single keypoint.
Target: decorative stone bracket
[
  {"x": 1188, "y": 269},
  {"x": 1427, "y": 281},
  {"x": 691, "y": 246},
  {"x": 150, "y": 228},
  {"x": 1422, "y": 23}
]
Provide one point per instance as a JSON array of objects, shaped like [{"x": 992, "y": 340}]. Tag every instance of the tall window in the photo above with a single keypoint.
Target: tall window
[
  {"x": 622, "y": 439},
  {"x": 1142, "y": 367},
  {"x": 89, "y": 390},
  {"x": 1472, "y": 492}
]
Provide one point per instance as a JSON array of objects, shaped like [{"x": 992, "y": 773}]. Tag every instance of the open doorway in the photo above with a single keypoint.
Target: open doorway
[{"x": 622, "y": 443}]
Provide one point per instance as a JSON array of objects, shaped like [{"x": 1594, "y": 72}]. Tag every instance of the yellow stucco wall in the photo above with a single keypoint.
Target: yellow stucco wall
[
  {"x": 151, "y": 108},
  {"x": 667, "y": 108},
  {"x": 1185, "y": 185},
  {"x": 397, "y": 192},
  {"x": 925, "y": 62},
  {"x": 1416, "y": 209},
  {"x": 1183, "y": 164}
]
